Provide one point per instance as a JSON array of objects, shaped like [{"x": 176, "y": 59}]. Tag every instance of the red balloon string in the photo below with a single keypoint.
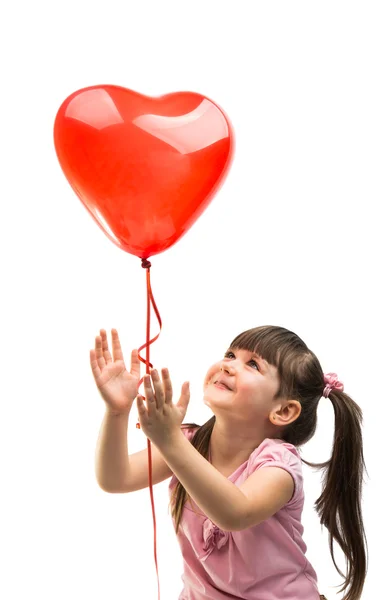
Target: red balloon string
[{"x": 150, "y": 299}]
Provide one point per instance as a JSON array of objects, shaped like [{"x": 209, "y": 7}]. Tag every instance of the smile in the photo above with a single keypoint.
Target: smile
[{"x": 222, "y": 387}]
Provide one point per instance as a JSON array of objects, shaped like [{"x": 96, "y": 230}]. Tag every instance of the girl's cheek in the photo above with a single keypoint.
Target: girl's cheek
[
  {"x": 207, "y": 379},
  {"x": 214, "y": 370}
]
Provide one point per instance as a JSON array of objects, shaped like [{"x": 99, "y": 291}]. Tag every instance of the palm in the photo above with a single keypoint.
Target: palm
[{"x": 116, "y": 382}]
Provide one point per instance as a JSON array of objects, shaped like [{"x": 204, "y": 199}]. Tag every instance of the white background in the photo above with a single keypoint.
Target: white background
[{"x": 291, "y": 239}]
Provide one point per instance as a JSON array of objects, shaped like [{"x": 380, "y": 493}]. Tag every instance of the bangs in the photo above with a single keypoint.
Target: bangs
[{"x": 270, "y": 342}]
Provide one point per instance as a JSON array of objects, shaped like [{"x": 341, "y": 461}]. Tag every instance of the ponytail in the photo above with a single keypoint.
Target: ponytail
[{"x": 339, "y": 506}]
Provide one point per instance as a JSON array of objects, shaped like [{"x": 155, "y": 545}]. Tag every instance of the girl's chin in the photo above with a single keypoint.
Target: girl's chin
[{"x": 216, "y": 398}]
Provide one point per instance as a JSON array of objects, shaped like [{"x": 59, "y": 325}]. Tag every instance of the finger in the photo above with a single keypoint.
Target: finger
[
  {"x": 149, "y": 393},
  {"x": 184, "y": 396},
  {"x": 142, "y": 411},
  {"x": 186, "y": 389},
  {"x": 98, "y": 352},
  {"x": 140, "y": 404},
  {"x": 135, "y": 364},
  {"x": 167, "y": 386},
  {"x": 117, "y": 350},
  {"x": 105, "y": 347},
  {"x": 158, "y": 387},
  {"x": 94, "y": 364}
]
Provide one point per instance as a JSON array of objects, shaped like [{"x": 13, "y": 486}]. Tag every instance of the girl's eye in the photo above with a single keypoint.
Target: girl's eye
[{"x": 227, "y": 355}]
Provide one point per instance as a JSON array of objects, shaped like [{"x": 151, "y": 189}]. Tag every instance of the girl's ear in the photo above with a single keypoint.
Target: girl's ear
[{"x": 290, "y": 412}]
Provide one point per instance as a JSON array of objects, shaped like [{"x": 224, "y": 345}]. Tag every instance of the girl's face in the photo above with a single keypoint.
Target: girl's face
[{"x": 253, "y": 385}]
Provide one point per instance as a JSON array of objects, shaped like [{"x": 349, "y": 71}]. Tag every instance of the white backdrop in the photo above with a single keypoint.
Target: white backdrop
[{"x": 291, "y": 239}]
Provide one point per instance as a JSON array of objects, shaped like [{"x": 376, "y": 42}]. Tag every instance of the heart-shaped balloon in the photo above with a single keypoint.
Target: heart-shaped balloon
[{"x": 145, "y": 168}]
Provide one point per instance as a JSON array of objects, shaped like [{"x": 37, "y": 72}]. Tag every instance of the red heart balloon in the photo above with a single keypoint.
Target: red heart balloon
[{"x": 145, "y": 168}]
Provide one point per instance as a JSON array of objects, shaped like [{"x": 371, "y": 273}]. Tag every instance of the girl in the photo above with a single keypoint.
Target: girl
[{"x": 241, "y": 532}]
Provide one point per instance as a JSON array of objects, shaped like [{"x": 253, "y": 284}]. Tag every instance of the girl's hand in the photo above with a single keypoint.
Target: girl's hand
[
  {"x": 161, "y": 419},
  {"x": 117, "y": 386}
]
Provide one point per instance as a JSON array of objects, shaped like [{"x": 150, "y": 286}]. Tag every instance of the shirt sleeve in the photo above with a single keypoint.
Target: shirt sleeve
[{"x": 285, "y": 456}]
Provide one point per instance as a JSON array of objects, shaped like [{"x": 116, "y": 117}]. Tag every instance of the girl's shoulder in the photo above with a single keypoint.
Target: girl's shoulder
[
  {"x": 281, "y": 454},
  {"x": 276, "y": 450}
]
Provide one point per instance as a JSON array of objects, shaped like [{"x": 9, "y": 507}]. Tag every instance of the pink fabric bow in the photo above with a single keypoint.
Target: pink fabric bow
[
  {"x": 213, "y": 537},
  {"x": 332, "y": 383}
]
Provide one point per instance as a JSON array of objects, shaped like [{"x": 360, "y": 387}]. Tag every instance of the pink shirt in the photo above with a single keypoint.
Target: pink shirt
[{"x": 264, "y": 562}]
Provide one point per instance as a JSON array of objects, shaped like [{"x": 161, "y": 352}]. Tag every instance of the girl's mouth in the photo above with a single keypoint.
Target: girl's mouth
[{"x": 221, "y": 386}]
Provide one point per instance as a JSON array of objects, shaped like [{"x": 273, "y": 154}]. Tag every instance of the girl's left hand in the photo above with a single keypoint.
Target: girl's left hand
[{"x": 161, "y": 419}]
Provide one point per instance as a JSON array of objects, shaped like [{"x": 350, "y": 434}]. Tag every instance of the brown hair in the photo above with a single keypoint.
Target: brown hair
[{"x": 302, "y": 379}]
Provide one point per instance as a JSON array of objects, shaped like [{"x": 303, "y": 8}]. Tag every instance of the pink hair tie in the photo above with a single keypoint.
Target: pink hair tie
[{"x": 332, "y": 383}]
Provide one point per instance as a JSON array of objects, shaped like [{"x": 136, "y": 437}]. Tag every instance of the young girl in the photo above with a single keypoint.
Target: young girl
[{"x": 237, "y": 485}]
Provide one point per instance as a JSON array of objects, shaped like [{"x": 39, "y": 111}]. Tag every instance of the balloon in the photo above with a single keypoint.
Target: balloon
[{"x": 144, "y": 167}]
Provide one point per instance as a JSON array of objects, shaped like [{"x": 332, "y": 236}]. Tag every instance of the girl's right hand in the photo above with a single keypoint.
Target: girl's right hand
[{"x": 117, "y": 386}]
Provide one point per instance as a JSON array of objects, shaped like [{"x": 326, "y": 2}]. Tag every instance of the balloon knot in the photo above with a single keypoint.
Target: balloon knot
[{"x": 146, "y": 264}]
